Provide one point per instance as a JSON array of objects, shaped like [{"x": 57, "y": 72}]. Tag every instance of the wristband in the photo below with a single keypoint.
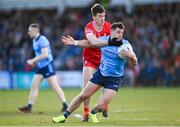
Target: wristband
[{"x": 76, "y": 43}]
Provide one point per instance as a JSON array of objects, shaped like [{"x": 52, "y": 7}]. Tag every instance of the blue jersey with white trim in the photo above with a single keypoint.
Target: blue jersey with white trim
[
  {"x": 111, "y": 63},
  {"x": 39, "y": 43}
]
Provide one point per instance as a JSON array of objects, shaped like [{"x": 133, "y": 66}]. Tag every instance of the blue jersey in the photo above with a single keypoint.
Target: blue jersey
[
  {"x": 39, "y": 43},
  {"x": 111, "y": 63}
]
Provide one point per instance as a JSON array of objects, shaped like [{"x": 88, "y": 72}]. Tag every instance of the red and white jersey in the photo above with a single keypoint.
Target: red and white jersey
[{"x": 92, "y": 56}]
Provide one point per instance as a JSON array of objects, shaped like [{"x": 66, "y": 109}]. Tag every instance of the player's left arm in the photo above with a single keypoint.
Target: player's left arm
[
  {"x": 131, "y": 56},
  {"x": 44, "y": 54}
]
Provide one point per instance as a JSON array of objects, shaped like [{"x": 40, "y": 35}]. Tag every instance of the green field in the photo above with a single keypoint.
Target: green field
[{"x": 140, "y": 107}]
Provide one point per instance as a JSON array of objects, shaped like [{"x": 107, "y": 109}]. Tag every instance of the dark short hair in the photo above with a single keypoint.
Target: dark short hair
[
  {"x": 35, "y": 25},
  {"x": 117, "y": 25},
  {"x": 97, "y": 8}
]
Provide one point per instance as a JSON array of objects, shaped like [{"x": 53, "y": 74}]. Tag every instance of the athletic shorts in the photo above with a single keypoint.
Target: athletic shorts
[
  {"x": 46, "y": 71},
  {"x": 107, "y": 82},
  {"x": 91, "y": 63}
]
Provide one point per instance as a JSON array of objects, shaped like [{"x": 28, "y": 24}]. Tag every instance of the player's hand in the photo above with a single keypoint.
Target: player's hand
[
  {"x": 67, "y": 40},
  {"x": 127, "y": 53},
  {"x": 130, "y": 55},
  {"x": 31, "y": 62},
  {"x": 114, "y": 42}
]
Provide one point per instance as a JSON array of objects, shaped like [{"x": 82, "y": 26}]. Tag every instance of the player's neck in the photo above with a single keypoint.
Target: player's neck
[
  {"x": 37, "y": 35},
  {"x": 97, "y": 27}
]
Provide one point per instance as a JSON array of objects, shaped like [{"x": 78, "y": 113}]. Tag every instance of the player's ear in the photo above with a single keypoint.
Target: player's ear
[{"x": 111, "y": 32}]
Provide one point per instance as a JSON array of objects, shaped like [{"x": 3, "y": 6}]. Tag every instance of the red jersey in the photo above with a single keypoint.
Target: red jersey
[{"x": 92, "y": 56}]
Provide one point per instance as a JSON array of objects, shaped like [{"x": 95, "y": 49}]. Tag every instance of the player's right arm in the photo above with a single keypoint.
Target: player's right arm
[
  {"x": 91, "y": 37},
  {"x": 68, "y": 40},
  {"x": 94, "y": 41}
]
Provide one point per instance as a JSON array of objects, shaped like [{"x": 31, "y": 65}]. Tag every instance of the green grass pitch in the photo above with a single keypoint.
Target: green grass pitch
[{"x": 140, "y": 107}]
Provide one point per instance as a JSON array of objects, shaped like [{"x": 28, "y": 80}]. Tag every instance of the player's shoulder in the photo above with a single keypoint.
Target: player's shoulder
[
  {"x": 89, "y": 28},
  {"x": 107, "y": 23},
  {"x": 107, "y": 26},
  {"x": 43, "y": 38},
  {"x": 125, "y": 41},
  {"x": 89, "y": 24}
]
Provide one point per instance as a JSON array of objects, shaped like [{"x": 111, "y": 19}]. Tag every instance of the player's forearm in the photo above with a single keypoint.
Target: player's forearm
[
  {"x": 40, "y": 57},
  {"x": 133, "y": 60},
  {"x": 82, "y": 43},
  {"x": 86, "y": 43},
  {"x": 94, "y": 42},
  {"x": 99, "y": 43}
]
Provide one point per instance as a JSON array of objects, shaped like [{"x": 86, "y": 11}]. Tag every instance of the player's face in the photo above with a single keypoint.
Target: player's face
[
  {"x": 117, "y": 33},
  {"x": 99, "y": 18},
  {"x": 32, "y": 32}
]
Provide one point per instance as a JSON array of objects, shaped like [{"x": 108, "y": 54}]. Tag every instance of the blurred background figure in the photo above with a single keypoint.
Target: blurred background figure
[{"x": 44, "y": 65}]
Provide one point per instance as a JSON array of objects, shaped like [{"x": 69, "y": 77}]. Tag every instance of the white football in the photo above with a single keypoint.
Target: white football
[{"x": 124, "y": 46}]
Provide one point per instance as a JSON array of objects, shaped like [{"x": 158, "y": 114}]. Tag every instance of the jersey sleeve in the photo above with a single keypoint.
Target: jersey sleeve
[
  {"x": 43, "y": 42},
  {"x": 129, "y": 45},
  {"x": 88, "y": 29}
]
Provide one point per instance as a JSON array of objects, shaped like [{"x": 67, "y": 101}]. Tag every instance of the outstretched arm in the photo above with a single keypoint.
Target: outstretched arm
[
  {"x": 94, "y": 41},
  {"x": 68, "y": 40}
]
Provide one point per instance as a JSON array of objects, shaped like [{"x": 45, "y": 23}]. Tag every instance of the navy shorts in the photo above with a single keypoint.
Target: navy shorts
[
  {"x": 46, "y": 71},
  {"x": 107, "y": 82}
]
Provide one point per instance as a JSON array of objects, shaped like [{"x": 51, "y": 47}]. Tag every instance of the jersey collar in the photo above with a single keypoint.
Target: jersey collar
[{"x": 36, "y": 39}]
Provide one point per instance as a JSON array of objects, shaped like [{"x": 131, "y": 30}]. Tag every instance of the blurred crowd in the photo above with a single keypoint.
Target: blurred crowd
[{"x": 153, "y": 31}]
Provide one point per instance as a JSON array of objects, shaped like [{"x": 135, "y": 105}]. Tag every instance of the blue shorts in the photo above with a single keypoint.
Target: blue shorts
[
  {"x": 46, "y": 71},
  {"x": 107, "y": 82}
]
